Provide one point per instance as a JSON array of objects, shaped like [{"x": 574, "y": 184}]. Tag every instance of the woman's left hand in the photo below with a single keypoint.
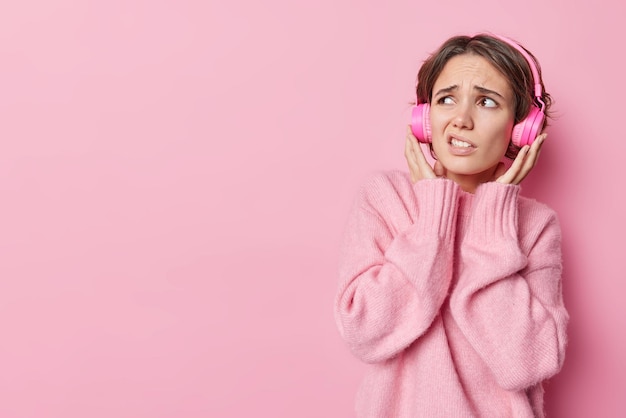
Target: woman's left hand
[{"x": 523, "y": 164}]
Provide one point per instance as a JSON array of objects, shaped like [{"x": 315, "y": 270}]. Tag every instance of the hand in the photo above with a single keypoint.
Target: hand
[
  {"x": 418, "y": 166},
  {"x": 523, "y": 164}
]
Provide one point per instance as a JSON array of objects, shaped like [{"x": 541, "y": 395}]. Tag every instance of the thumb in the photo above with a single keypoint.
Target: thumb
[{"x": 440, "y": 171}]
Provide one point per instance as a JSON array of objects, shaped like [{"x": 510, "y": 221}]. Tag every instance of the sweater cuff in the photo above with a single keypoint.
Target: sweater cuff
[
  {"x": 437, "y": 206},
  {"x": 495, "y": 212}
]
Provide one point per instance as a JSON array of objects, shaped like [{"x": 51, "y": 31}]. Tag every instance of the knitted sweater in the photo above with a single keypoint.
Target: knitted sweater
[{"x": 454, "y": 299}]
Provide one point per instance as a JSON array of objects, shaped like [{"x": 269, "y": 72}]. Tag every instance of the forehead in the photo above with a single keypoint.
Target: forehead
[{"x": 472, "y": 70}]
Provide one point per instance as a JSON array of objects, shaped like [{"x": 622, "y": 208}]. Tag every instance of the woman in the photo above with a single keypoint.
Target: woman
[{"x": 450, "y": 281}]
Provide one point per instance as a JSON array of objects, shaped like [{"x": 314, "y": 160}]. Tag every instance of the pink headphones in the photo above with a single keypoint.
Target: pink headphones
[{"x": 524, "y": 133}]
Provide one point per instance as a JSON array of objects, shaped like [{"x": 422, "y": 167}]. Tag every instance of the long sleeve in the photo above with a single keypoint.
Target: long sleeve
[
  {"x": 396, "y": 263},
  {"x": 508, "y": 300}
]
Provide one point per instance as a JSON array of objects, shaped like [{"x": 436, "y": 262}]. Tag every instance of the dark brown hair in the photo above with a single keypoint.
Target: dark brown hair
[{"x": 504, "y": 57}]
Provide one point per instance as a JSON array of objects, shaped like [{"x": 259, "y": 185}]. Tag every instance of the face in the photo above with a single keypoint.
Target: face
[{"x": 472, "y": 117}]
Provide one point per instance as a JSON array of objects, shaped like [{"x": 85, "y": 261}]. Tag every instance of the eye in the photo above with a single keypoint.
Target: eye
[
  {"x": 445, "y": 100},
  {"x": 488, "y": 102}
]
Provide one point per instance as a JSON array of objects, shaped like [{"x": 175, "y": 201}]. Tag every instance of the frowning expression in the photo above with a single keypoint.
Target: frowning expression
[{"x": 472, "y": 117}]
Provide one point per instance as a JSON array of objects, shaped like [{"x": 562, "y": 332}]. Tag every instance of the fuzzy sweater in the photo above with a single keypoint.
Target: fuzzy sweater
[{"x": 454, "y": 299}]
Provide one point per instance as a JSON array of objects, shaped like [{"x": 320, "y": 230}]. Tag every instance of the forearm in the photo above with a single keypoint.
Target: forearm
[
  {"x": 393, "y": 284},
  {"x": 508, "y": 302}
]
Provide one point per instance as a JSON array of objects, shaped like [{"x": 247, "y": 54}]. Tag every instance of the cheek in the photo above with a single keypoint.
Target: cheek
[
  {"x": 438, "y": 141},
  {"x": 509, "y": 127},
  {"x": 498, "y": 134},
  {"x": 505, "y": 134}
]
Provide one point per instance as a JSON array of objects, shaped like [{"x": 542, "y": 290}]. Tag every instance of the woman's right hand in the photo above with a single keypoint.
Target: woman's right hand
[{"x": 418, "y": 166}]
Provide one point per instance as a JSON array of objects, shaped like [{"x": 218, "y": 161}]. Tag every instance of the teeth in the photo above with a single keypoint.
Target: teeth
[{"x": 457, "y": 143}]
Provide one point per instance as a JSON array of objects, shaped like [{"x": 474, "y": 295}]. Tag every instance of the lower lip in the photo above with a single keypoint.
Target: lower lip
[{"x": 461, "y": 150}]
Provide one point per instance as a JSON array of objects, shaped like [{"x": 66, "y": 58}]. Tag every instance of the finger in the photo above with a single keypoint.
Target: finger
[
  {"x": 440, "y": 170},
  {"x": 538, "y": 145},
  {"x": 408, "y": 149},
  {"x": 410, "y": 159},
  {"x": 409, "y": 133},
  {"x": 531, "y": 159},
  {"x": 425, "y": 169},
  {"x": 540, "y": 141},
  {"x": 413, "y": 154},
  {"x": 511, "y": 174}
]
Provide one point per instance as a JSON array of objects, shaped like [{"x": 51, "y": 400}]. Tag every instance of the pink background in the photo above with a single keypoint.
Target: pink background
[{"x": 175, "y": 178}]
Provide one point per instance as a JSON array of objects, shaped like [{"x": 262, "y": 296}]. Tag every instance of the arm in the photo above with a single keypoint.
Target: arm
[
  {"x": 508, "y": 300},
  {"x": 396, "y": 264}
]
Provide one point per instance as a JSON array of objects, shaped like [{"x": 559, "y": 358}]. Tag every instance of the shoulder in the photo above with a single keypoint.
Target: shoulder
[
  {"x": 388, "y": 195},
  {"x": 393, "y": 196},
  {"x": 380, "y": 186}
]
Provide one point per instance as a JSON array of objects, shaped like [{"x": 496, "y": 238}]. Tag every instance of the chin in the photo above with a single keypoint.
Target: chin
[{"x": 468, "y": 168}]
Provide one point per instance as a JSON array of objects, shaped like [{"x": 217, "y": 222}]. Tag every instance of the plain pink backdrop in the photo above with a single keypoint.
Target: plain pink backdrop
[{"x": 176, "y": 175}]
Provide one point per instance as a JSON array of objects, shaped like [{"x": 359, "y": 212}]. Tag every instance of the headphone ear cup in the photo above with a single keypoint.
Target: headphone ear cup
[
  {"x": 525, "y": 132},
  {"x": 420, "y": 122}
]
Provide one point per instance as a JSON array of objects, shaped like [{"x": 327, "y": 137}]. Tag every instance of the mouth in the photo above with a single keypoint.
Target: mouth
[
  {"x": 460, "y": 146},
  {"x": 458, "y": 143}
]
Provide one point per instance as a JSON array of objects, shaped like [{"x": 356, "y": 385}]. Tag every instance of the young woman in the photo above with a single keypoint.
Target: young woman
[{"x": 450, "y": 281}]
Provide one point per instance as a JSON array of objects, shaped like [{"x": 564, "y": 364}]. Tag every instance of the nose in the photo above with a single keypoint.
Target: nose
[{"x": 463, "y": 116}]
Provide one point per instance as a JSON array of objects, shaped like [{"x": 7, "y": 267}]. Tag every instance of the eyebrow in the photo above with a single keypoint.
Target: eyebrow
[
  {"x": 454, "y": 87},
  {"x": 488, "y": 91}
]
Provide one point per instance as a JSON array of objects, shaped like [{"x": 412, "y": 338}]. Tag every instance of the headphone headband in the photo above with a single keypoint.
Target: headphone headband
[{"x": 529, "y": 60}]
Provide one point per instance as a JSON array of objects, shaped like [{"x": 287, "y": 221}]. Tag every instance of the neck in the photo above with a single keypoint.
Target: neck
[{"x": 469, "y": 182}]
